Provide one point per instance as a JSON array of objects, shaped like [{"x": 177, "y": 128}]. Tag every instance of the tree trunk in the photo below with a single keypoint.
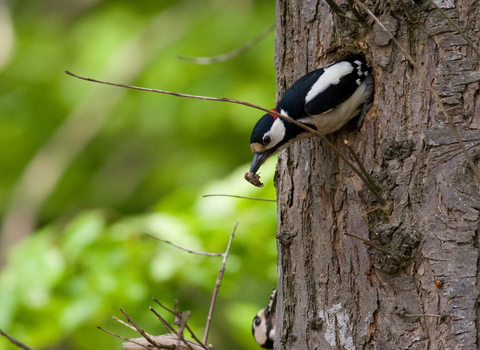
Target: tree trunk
[{"x": 334, "y": 291}]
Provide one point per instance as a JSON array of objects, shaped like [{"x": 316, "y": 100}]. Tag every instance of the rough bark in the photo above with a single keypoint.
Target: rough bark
[{"x": 335, "y": 292}]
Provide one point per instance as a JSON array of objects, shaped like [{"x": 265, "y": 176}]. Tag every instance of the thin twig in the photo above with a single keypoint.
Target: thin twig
[
  {"x": 369, "y": 243},
  {"x": 178, "y": 334},
  {"x": 338, "y": 10},
  {"x": 217, "y": 284},
  {"x": 241, "y": 197},
  {"x": 145, "y": 335},
  {"x": 359, "y": 163},
  {"x": 183, "y": 248},
  {"x": 119, "y": 336},
  {"x": 437, "y": 99},
  {"x": 181, "y": 320},
  {"x": 348, "y": 17},
  {"x": 357, "y": 15},
  {"x": 15, "y": 341},
  {"x": 334, "y": 7},
  {"x": 186, "y": 325},
  {"x": 457, "y": 28},
  {"x": 195, "y": 337},
  {"x": 163, "y": 306},
  {"x": 230, "y": 54},
  {"x": 422, "y": 315},
  {"x": 364, "y": 177},
  {"x": 410, "y": 16},
  {"x": 125, "y": 323},
  {"x": 164, "y": 322}
]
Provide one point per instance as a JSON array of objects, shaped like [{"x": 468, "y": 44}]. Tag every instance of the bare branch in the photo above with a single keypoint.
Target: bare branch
[
  {"x": 423, "y": 315},
  {"x": 369, "y": 243},
  {"x": 217, "y": 284},
  {"x": 241, "y": 197},
  {"x": 402, "y": 312},
  {"x": 357, "y": 15},
  {"x": 163, "y": 306},
  {"x": 123, "y": 338},
  {"x": 366, "y": 178},
  {"x": 181, "y": 319},
  {"x": 338, "y": 10},
  {"x": 15, "y": 341},
  {"x": 186, "y": 325},
  {"x": 164, "y": 322},
  {"x": 145, "y": 335},
  {"x": 334, "y": 7},
  {"x": 183, "y": 248},
  {"x": 230, "y": 54},
  {"x": 359, "y": 163},
  {"x": 178, "y": 334},
  {"x": 125, "y": 323},
  {"x": 410, "y": 16},
  {"x": 457, "y": 28},
  {"x": 437, "y": 99}
]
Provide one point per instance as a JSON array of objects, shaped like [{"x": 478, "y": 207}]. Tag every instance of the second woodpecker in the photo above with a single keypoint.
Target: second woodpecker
[
  {"x": 264, "y": 323},
  {"x": 324, "y": 99}
]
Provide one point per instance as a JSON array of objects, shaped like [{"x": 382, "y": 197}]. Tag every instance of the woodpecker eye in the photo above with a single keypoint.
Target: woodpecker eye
[
  {"x": 266, "y": 139},
  {"x": 257, "y": 321}
]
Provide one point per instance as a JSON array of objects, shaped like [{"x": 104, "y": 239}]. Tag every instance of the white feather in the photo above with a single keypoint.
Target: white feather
[
  {"x": 337, "y": 117},
  {"x": 331, "y": 76}
]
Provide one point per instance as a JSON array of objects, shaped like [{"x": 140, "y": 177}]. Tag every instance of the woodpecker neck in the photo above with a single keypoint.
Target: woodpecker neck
[{"x": 294, "y": 133}]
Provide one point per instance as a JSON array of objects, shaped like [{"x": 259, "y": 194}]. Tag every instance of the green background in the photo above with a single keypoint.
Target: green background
[{"x": 135, "y": 162}]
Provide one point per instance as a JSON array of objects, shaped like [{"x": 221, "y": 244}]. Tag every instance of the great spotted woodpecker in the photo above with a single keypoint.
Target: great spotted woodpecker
[
  {"x": 324, "y": 99},
  {"x": 263, "y": 327}
]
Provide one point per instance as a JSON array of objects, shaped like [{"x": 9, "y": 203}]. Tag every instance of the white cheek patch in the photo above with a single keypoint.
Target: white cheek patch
[
  {"x": 277, "y": 131},
  {"x": 272, "y": 334},
  {"x": 260, "y": 333},
  {"x": 331, "y": 76}
]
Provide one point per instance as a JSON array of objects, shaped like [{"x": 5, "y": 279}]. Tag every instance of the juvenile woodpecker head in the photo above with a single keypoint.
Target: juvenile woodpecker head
[
  {"x": 267, "y": 138},
  {"x": 263, "y": 327}
]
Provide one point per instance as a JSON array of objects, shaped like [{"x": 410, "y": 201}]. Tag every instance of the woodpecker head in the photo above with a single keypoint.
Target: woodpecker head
[
  {"x": 263, "y": 327},
  {"x": 268, "y": 137}
]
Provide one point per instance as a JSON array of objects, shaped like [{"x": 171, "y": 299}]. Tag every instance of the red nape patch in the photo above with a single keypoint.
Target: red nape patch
[{"x": 273, "y": 115}]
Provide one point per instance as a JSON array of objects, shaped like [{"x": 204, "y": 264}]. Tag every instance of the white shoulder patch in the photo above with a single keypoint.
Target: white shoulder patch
[{"x": 331, "y": 76}]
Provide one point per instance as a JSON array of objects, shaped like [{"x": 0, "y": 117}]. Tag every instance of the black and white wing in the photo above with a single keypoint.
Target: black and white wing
[{"x": 336, "y": 84}]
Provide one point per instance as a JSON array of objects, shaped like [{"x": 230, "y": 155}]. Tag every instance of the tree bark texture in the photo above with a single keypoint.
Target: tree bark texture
[{"x": 334, "y": 291}]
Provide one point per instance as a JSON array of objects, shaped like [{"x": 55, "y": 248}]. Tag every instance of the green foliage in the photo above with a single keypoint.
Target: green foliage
[{"x": 144, "y": 169}]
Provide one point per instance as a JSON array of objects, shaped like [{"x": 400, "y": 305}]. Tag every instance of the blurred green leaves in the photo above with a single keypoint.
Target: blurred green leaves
[
  {"x": 77, "y": 275},
  {"x": 130, "y": 162}
]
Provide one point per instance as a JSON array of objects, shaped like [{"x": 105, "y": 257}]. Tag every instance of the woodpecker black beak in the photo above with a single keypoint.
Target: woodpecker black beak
[{"x": 258, "y": 160}]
